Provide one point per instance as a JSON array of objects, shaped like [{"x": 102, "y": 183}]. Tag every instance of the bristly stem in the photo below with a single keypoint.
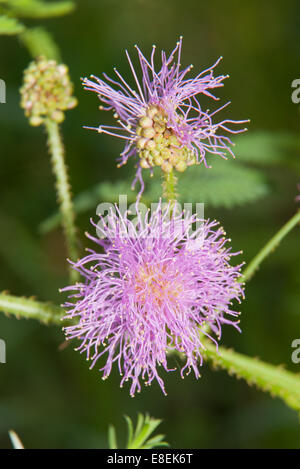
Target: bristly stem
[
  {"x": 269, "y": 247},
  {"x": 63, "y": 190},
  {"x": 169, "y": 187},
  {"x": 31, "y": 309},
  {"x": 269, "y": 378}
]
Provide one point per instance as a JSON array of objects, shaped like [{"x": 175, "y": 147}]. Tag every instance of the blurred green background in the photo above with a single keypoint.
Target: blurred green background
[{"x": 49, "y": 396}]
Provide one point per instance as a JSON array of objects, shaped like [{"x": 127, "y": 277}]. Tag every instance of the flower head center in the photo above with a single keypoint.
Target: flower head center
[
  {"x": 158, "y": 144},
  {"x": 154, "y": 282}
]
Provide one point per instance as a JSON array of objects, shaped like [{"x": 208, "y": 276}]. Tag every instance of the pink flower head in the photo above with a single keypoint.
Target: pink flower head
[
  {"x": 150, "y": 289},
  {"x": 161, "y": 119}
]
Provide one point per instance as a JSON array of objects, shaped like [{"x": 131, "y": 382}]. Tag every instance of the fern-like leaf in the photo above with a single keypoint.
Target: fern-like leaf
[
  {"x": 266, "y": 148},
  {"x": 226, "y": 184},
  {"x": 139, "y": 438}
]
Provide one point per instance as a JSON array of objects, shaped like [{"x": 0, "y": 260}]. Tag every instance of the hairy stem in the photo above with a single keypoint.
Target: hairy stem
[
  {"x": 269, "y": 247},
  {"x": 31, "y": 309},
  {"x": 63, "y": 191},
  {"x": 169, "y": 186},
  {"x": 269, "y": 378}
]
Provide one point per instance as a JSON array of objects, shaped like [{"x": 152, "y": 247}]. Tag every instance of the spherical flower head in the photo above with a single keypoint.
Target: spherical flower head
[
  {"x": 161, "y": 118},
  {"x": 47, "y": 91},
  {"x": 155, "y": 285}
]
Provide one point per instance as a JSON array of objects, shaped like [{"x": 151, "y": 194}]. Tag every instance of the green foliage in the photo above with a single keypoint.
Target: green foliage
[
  {"x": 140, "y": 437},
  {"x": 88, "y": 200},
  {"x": 10, "y": 26},
  {"x": 226, "y": 184},
  {"x": 40, "y": 43},
  {"x": 275, "y": 380},
  {"x": 38, "y": 8},
  {"x": 265, "y": 148},
  {"x": 37, "y": 40}
]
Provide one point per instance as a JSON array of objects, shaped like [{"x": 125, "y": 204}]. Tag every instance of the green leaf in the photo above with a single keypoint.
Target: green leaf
[
  {"x": 112, "y": 439},
  {"x": 40, "y": 43},
  {"x": 265, "y": 148},
  {"x": 88, "y": 200},
  {"x": 139, "y": 427},
  {"x": 39, "y": 8},
  {"x": 226, "y": 184},
  {"x": 278, "y": 382},
  {"x": 155, "y": 441},
  {"x": 130, "y": 429},
  {"x": 146, "y": 425},
  {"x": 10, "y": 26},
  {"x": 139, "y": 438}
]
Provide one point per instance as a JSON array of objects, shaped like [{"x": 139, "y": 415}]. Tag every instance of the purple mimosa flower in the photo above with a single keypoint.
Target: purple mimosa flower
[
  {"x": 150, "y": 290},
  {"x": 161, "y": 120}
]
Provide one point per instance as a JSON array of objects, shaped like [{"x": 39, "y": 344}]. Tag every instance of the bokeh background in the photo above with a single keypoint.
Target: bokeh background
[{"x": 50, "y": 397}]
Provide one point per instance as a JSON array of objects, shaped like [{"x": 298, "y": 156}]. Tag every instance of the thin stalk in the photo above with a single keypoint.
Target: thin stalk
[
  {"x": 63, "y": 191},
  {"x": 169, "y": 186},
  {"x": 269, "y": 247}
]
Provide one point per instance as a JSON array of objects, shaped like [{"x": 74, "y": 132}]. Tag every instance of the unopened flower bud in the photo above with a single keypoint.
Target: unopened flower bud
[
  {"x": 145, "y": 122},
  {"x": 144, "y": 164},
  {"x": 149, "y": 132},
  {"x": 150, "y": 145},
  {"x": 46, "y": 92},
  {"x": 152, "y": 110},
  {"x": 141, "y": 143},
  {"x": 181, "y": 166},
  {"x": 166, "y": 167}
]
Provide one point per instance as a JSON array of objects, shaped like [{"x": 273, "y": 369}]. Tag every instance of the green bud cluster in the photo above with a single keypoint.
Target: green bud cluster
[
  {"x": 47, "y": 91},
  {"x": 158, "y": 145}
]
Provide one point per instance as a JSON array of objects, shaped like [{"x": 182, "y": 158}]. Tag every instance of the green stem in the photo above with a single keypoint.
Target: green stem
[
  {"x": 269, "y": 378},
  {"x": 31, "y": 309},
  {"x": 269, "y": 247},
  {"x": 63, "y": 190},
  {"x": 170, "y": 187},
  {"x": 39, "y": 42}
]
